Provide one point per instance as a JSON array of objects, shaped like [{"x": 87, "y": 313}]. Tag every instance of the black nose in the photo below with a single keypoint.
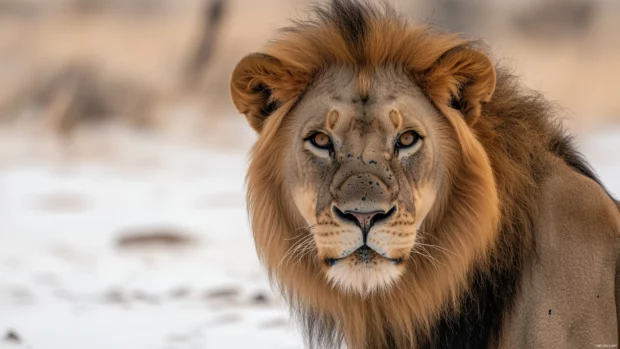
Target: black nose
[{"x": 364, "y": 220}]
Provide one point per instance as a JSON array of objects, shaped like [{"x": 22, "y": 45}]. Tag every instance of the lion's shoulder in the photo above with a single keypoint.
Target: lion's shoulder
[{"x": 572, "y": 200}]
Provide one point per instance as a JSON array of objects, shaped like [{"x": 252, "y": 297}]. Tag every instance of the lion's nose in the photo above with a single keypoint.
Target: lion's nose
[{"x": 364, "y": 220}]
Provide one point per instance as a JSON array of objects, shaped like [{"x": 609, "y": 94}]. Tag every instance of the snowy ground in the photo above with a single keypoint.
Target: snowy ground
[{"x": 69, "y": 282}]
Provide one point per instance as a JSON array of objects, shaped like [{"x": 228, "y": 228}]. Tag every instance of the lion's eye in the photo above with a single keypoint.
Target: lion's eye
[
  {"x": 407, "y": 139},
  {"x": 321, "y": 140}
]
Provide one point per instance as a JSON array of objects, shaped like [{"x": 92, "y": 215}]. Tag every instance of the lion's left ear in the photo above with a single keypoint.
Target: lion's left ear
[{"x": 462, "y": 78}]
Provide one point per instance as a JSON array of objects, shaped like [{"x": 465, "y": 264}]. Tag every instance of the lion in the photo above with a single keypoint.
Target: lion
[{"x": 407, "y": 192}]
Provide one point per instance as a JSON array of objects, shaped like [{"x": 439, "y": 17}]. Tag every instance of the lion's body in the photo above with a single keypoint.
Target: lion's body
[
  {"x": 524, "y": 241},
  {"x": 566, "y": 297}
]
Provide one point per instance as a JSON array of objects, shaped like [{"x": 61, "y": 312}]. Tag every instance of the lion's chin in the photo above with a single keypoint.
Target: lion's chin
[{"x": 364, "y": 276}]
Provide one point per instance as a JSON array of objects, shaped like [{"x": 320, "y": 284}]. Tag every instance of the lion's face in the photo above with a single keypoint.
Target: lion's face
[{"x": 364, "y": 173}]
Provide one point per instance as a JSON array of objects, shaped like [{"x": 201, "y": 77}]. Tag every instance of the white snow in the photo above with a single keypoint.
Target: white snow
[{"x": 66, "y": 285}]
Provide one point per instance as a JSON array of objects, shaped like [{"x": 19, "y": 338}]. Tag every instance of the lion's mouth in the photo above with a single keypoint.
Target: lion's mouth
[{"x": 364, "y": 255}]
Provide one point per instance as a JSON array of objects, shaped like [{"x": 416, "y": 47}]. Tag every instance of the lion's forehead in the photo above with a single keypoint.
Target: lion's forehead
[{"x": 361, "y": 111}]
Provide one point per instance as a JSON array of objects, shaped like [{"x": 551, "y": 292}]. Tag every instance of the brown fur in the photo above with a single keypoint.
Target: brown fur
[{"x": 502, "y": 134}]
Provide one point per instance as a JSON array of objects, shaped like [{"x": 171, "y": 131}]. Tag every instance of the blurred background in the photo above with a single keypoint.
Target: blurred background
[{"x": 122, "y": 160}]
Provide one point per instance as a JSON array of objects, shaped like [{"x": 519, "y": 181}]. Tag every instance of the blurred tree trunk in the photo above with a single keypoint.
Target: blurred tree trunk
[{"x": 199, "y": 61}]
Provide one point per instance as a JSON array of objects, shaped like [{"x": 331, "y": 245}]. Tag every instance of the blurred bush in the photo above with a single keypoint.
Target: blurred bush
[
  {"x": 70, "y": 62},
  {"x": 79, "y": 94}
]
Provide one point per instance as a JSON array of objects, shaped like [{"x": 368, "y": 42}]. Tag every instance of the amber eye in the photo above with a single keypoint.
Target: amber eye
[
  {"x": 321, "y": 140},
  {"x": 407, "y": 139}
]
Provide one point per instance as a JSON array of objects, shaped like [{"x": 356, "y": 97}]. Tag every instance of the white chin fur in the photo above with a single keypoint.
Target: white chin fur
[{"x": 363, "y": 278}]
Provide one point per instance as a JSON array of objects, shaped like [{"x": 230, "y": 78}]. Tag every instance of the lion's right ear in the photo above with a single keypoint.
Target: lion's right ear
[{"x": 260, "y": 84}]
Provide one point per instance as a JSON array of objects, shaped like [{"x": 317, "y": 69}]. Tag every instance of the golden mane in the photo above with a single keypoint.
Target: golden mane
[{"x": 487, "y": 214}]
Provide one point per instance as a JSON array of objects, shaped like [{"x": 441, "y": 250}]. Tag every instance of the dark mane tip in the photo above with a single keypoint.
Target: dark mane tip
[{"x": 352, "y": 18}]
